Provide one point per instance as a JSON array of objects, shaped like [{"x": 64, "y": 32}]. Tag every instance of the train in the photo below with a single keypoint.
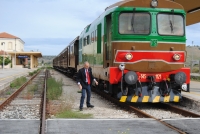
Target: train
[{"x": 136, "y": 49}]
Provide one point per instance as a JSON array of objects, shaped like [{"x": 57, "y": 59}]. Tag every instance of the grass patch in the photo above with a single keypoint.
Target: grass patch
[
  {"x": 28, "y": 94},
  {"x": 195, "y": 70},
  {"x": 195, "y": 78},
  {"x": 8, "y": 93},
  {"x": 33, "y": 88},
  {"x": 54, "y": 89},
  {"x": 17, "y": 83},
  {"x": 73, "y": 114},
  {"x": 65, "y": 110},
  {"x": 34, "y": 72}
]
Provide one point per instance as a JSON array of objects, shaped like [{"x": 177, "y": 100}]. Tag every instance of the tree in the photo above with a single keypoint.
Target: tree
[{"x": 6, "y": 61}]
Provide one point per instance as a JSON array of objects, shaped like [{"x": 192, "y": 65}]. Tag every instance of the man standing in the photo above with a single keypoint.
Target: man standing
[{"x": 84, "y": 79}]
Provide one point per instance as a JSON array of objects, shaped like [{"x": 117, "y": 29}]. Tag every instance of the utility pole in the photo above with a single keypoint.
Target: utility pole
[
  {"x": 3, "y": 43},
  {"x": 199, "y": 66},
  {"x": 192, "y": 59},
  {"x": 15, "y": 52}
]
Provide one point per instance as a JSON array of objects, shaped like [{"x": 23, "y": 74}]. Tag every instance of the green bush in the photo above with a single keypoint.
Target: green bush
[
  {"x": 34, "y": 72},
  {"x": 17, "y": 83},
  {"x": 54, "y": 89},
  {"x": 195, "y": 78}
]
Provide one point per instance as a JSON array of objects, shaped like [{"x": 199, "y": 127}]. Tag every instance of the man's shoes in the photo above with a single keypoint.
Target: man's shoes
[
  {"x": 90, "y": 106},
  {"x": 81, "y": 109}
]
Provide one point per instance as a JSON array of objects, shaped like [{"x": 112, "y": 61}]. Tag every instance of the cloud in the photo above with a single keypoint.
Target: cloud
[
  {"x": 193, "y": 34},
  {"x": 49, "y": 18},
  {"x": 49, "y": 25},
  {"x": 48, "y": 46}
]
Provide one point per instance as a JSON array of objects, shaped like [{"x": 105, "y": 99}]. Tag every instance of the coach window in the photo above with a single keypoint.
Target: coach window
[
  {"x": 170, "y": 24},
  {"x": 134, "y": 23},
  {"x": 71, "y": 49},
  {"x": 95, "y": 35},
  {"x": 92, "y": 37},
  {"x": 80, "y": 43},
  {"x": 84, "y": 41}
]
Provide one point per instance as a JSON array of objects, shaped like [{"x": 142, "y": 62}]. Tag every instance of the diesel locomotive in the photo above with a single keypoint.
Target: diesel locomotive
[{"x": 136, "y": 49}]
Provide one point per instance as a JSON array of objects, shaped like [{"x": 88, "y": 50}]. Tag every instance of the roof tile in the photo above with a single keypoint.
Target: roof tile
[{"x": 6, "y": 35}]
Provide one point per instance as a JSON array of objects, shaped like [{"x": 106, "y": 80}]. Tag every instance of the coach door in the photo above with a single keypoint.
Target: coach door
[
  {"x": 107, "y": 41},
  {"x": 76, "y": 50},
  {"x": 69, "y": 53},
  {"x": 67, "y": 57}
]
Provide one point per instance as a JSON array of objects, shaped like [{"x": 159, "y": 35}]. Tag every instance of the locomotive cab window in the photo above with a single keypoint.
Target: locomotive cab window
[
  {"x": 170, "y": 24},
  {"x": 134, "y": 23}
]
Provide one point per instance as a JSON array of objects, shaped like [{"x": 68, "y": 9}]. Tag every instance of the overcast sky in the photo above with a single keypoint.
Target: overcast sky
[{"x": 49, "y": 25}]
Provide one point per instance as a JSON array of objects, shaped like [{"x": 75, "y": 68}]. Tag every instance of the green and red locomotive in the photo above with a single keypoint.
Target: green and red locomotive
[{"x": 137, "y": 50}]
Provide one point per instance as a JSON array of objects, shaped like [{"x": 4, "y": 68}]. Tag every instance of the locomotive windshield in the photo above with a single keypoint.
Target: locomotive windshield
[
  {"x": 170, "y": 24},
  {"x": 134, "y": 23}
]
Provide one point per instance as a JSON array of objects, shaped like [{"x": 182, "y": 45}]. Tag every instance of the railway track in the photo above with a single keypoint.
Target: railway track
[
  {"x": 18, "y": 94},
  {"x": 142, "y": 114},
  {"x": 43, "y": 105}
]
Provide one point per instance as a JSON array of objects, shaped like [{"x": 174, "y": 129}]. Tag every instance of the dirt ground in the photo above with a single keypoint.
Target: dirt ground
[{"x": 70, "y": 98}]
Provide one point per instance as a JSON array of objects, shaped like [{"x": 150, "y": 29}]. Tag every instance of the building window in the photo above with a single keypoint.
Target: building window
[{"x": 10, "y": 45}]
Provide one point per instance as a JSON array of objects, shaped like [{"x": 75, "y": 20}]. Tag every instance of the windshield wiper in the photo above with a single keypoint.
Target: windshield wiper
[
  {"x": 171, "y": 26},
  {"x": 132, "y": 20}
]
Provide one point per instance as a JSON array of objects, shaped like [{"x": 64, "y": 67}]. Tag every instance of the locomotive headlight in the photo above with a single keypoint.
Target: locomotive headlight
[
  {"x": 177, "y": 57},
  {"x": 184, "y": 87},
  {"x": 129, "y": 56},
  {"x": 154, "y": 3}
]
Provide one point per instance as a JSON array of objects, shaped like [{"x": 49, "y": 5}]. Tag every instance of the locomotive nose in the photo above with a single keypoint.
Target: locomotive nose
[{"x": 131, "y": 77}]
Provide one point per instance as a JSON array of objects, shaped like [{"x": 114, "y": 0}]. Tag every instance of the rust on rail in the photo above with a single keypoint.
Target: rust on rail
[
  {"x": 137, "y": 111},
  {"x": 14, "y": 95},
  {"x": 43, "y": 105}
]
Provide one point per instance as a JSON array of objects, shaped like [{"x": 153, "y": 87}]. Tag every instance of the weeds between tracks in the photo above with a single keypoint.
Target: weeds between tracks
[
  {"x": 61, "y": 107},
  {"x": 17, "y": 83},
  {"x": 54, "y": 89}
]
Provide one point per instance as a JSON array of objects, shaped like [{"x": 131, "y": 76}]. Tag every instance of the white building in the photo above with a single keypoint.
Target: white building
[
  {"x": 14, "y": 46},
  {"x": 11, "y": 43}
]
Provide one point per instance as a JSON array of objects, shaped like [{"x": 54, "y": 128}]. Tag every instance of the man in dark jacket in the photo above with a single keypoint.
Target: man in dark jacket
[{"x": 84, "y": 79}]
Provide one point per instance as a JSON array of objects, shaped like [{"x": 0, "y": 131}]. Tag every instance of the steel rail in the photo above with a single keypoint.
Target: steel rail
[
  {"x": 136, "y": 110},
  {"x": 179, "y": 110},
  {"x": 15, "y": 94},
  {"x": 43, "y": 106}
]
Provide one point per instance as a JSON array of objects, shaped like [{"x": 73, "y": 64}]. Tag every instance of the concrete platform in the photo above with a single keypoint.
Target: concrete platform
[
  {"x": 194, "y": 93},
  {"x": 7, "y": 75},
  {"x": 107, "y": 126},
  {"x": 100, "y": 126},
  {"x": 190, "y": 126},
  {"x": 195, "y": 74},
  {"x": 19, "y": 126}
]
